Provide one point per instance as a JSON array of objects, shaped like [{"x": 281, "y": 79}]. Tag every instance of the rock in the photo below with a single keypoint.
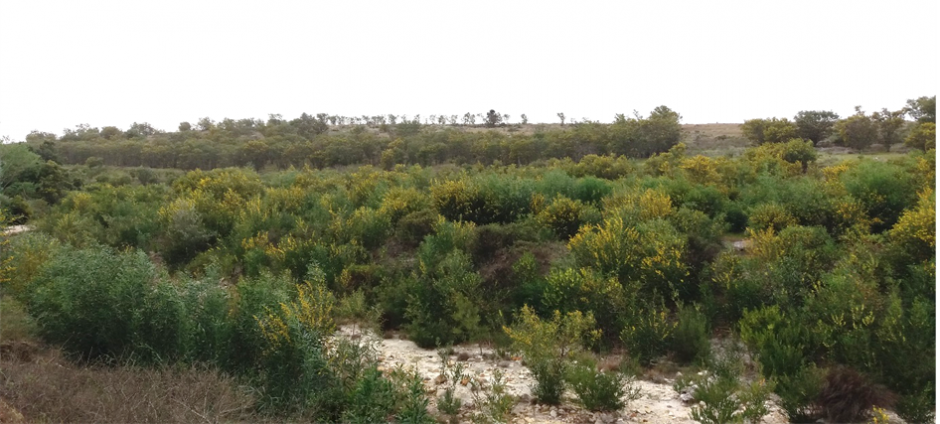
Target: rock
[
  {"x": 464, "y": 381},
  {"x": 441, "y": 379},
  {"x": 553, "y": 413},
  {"x": 504, "y": 364},
  {"x": 529, "y": 419},
  {"x": 686, "y": 398}
]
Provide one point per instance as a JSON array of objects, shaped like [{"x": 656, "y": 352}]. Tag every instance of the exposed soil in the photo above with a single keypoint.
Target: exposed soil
[{"x": 659, "y": 403}]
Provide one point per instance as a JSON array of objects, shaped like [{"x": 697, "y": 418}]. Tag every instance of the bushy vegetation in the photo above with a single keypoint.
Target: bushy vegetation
[{"x": 573, "y": 248}]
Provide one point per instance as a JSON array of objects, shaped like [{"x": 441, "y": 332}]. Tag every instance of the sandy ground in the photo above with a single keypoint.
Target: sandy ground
[
  {"x": 16, "y": 229},
  {"x": 659, "y": 403}
]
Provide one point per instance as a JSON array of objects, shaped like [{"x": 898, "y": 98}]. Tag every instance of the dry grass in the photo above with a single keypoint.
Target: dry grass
[
  {"x": 46, "y": 388},
  {"x": 714, "y": 139}
]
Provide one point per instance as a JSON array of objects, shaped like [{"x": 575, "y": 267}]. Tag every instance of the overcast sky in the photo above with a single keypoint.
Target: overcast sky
[{"x": 163, "y": 62}]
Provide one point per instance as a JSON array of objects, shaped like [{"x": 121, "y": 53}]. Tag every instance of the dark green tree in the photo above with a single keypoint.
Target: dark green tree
[
  {"x": 815, "y": 125},
  {"x": 922, "y": 109}
]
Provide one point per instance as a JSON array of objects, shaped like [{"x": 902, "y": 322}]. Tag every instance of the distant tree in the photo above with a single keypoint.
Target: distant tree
[
  {"x": 441, "y": 120},
  {"x": 273, "y": 119},
  {"x": 206, "y": 124},
  {"x": 110, "y": 133},
  {"x": 142, "y": 129},
  {"x": 308, "y": 127},
  {"x": 185, "y": 126},
  {"x": 923, "y": 136},
  {"x": 857, "y": 131},
  {"x": 506, "y": 118},
  {"x": 468, "y": 118},
  {"x": 492, "y": 119},
  {"x": 452, "y": 119},
  {"x": 524, "y": 118},
  {"x": 889, "y": 126},
  {"x": 39, "y": 137},
  {"x": 773, "y": 130},
  {"x": 641, "y": 138},
  {"x": 922, "y": 109},
  {"x": 815, "y": 125},
  {"x": 392, "y": 119},
  {"x": 47, "y": 151},
  {"x": 561, "y": 116}
]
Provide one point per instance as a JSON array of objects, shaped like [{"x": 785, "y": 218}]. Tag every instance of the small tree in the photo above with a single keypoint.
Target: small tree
[
  {"x": 492, "y": 119},
  {"x": 922, "y": 109},
  {"x": 562, "y": 117},
  {"x": 857, "y": 131},
  {"x": 772, "y": 130},
  {"x": 525, "y": 119},
  {"x": 815, "y": 125}
]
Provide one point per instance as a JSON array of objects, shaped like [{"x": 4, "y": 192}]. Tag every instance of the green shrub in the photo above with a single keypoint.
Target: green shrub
[
  {"x": 547, "y": 346},
  {"x": 690, "y": 338},
  {"x": 445, "y": 307},
  {"x": 90, "y": 301},
  {"x": 415, "y": 226},
  {"x": 599, "y": 390},
  {"x": 721, "y": 394},
  {"x": 884, "y": 190},
  {"x": 646, "y": 336}
]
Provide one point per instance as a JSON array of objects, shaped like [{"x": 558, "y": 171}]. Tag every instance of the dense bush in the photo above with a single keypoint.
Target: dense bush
[{"x": 835, "y": 268}]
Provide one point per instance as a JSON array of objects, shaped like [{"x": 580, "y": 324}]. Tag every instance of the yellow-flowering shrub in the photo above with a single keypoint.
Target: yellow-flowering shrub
[
  {"x": 650, "y": 253},
  {"x": 915, "y": 231},
  {"x": 565, "y": 216},
  {"x": 771, "y": 215},
  {"x": 310, "y": 313},
  {"x": 647, "y": 205},
  {"x": 701, "y": 170}
]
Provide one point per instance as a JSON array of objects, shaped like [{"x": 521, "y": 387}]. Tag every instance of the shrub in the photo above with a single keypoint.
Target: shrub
[
  {"x": 452, "y": 287},
  {"x": 90, "y": 301},
  {"x": 565, "y": 216},
  {"x": 847, "y": 396},
  {"x": 647, "y": 333},
  {"x": 415, "y": 226},
  {"x": 649, "y": 253},
  {"x": 917, "y": 407},
  {"x": 690, "y": 338},
  {"x": 770, "y": 215},
  {"x": 599, "y": 390},
  {"x": 572, "y": 290},
  {"x": 548, "y": 345},
  {"x": 722, "y": 396},
  {"x": 884, "y": 190}
]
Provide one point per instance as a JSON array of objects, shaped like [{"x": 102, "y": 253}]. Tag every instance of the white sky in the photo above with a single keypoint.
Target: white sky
[{"x": 163, "y": 62}]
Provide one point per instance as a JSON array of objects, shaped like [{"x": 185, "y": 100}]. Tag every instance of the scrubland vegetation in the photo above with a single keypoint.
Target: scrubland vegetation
[{"x": 226, "y": 253}]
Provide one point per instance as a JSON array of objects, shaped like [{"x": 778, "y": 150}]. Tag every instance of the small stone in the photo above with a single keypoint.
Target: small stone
[
  {"x": 553, "y": 413},
  {"x": 504, "y": 364},
  {"x": 528, "y": 419},
  {"x": 464, "y": 381},
  {"x": 441, "y": 379}
]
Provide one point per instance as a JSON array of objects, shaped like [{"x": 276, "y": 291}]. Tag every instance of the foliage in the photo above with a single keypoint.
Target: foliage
[
  {"x": 857, "y": 131},
  {"x": 815, "y": 125},
  {"x": 649, "y": 253},
  {"x": 923, "y": 136},
  {"x": 723, "y": 396},
  {"x": 690, "y": 339},
  {"x": 565, "y": 216},
  {"x": 773, "y": 130},
  {"x": 547, "y": 346},
  {"x": 600, "y": 390}
]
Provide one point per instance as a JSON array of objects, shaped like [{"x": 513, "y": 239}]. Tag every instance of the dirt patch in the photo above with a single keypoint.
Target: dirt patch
[{"x": 659, "y": 402}]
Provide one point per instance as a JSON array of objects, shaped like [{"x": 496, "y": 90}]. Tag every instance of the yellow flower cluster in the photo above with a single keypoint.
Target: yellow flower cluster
[{"x": 311, "y": 311}]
